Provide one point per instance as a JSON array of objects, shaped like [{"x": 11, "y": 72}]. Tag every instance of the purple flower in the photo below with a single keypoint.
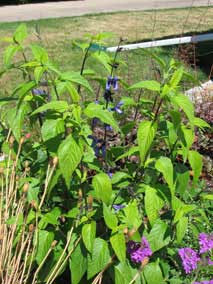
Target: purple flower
[
  {"x": 139, "y": 251},
  {"x": 210, "y": 262},
  {"x": 110, "y": 174},
  {"x": 206, "y": 242},
  {"x": 189, "y": 259},
  {"x": 117, "y": 108},
  {"x": 98, "y": 146},
  {"x": 118, "y": 207},
  {"x": 109, "y": 128},
  {"x": 112, "y": 82},
  {"x": 38, "y": 92}
]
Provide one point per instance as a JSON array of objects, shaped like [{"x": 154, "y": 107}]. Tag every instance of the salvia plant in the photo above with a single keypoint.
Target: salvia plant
[{"x": 100, "y": 182}]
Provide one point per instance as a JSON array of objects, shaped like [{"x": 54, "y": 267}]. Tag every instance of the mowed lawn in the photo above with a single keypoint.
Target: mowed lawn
[{"x": 57, "y": 34}]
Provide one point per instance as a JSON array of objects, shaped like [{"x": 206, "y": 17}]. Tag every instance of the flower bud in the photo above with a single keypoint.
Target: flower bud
[
  {"x": 26, "y": 164},
  {"x": 31, "y": 228},
  {"x": 11, "y": 141},
  {"x": 26, "y": 187},
  {"x": 54, "y": 243},
  {"x": 55, "y": 161},
  {"x": 22, "y": 140}
]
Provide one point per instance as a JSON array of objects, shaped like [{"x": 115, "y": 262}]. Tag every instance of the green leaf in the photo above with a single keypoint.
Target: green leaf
[
  {"x": 132, "y": 216},
  {"x": 9, "y": 53},
  {"x": 103, "y": 187},
  {"x": 78, "y": 264},
  {"x": 39, "y": 53},
  {"x": 69, "y": 154},
  {"x": 186, "y": 105},
  {"x": 207, "y": 196},
  {"x": 104, "y": 59},
  {"x": 16, "y": 120},
  {"x": 145, "y": 136},
  {"x": 99, "y": 259},
  {"x": 196, "y": 163},
  {"x": 118, "y": 176},
  {"x": 181, "y": 228},
  {"x": 59, "y": 106},
  {"x": 153, "y": 273},
  {"x": 124, "y": 273},
  {"x": 38, "y": 72},
  {"x": 76, "y": 78},
  {"x": 51, "y": 128},
  {"x": 157, "y": 237},
  {"x": 52, "y": 216},
  {"x": 45, "y": 240},
  {"x": 164, "y": 165},
  {"x": 201, "y": 123},
  {"x": 67, "y": 86},
  {"x": 183, "y": 210},
  {"x": 153, "y": 203},
  {"x": 94, "y": 110},
  {"x": 119, "y": 246},
  {"x": 88, "y": 235},
  {"x": 23, "y": 90},
  {"x": 176, "y": 77},
  {"x": 149, "y": 85},
  {"x": 20, "y": 33},
  {"x": 109, "y": 218},
  {"x": 186, "y": 136}
]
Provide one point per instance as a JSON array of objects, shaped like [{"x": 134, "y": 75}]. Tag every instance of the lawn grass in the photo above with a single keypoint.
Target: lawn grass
[{"x": 57, "y": 34}]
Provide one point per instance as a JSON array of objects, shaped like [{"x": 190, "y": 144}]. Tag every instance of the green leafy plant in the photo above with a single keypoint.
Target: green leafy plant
[{"x": 113, "y": 181}]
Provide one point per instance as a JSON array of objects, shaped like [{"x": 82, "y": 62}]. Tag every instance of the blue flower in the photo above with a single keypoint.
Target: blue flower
[
  {"x": 112, "y": 82},
  {"x": 117, "y": 108},
  {"x": 118, "y": 207},
  {"x": 38, "y": 92}
]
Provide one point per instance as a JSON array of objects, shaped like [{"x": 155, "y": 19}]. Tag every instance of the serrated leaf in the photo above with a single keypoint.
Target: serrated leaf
[
  {"x": 186, "y": 105},
  {"x": 76, "y": 78},
  {"x": 124, "y": 273},
  {"x": 119, "y": 246},
  {"x": 9, "y": 53},
  {"x": 94, "y": 110},
  {"x": 103, "y": 187},
  {"x": 157, "y": 237},
  {"x": 52, "y": 216},
  {"x": 23, "y": 90},
  {"x": 109, "y": 218},
  {"x": 58, "y": 106},
  {"x": 153, "y": 273},
  {"x": 145, "y": 136},
  {"x": 183, "y": 210},
  {"x": 38, "y": 72},
  {"x": 149, "y": 85},
  {"x": 88, "y": 235},
  {"x": 164, "y": 165},
  {"x": 153, "y": 203},
  {"x": 39, "y": 53},
  {"x": 69, "y": 154},
  {"x": 78, "y": 264},
  {"x": 45, "y": 240},
  {"x": 99, "y": 259},
  {"x": 132, "y": 216},
  {"x": 176, "y": 77},
  {"x": 52, "y": 128},
  {"x": 20, "y": 33}
]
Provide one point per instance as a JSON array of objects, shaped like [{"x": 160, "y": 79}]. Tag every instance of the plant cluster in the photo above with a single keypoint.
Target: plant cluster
[{"x": 99, "y": 180}]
